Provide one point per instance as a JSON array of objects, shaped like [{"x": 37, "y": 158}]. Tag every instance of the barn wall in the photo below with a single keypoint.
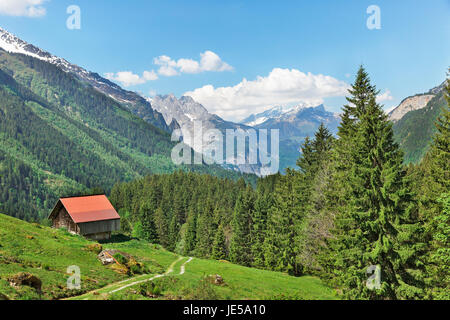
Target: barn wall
[
  {"x": 89, "y": 228},
  {"x": 98, "y": 236},
  {"x": 63, "y": 220}
]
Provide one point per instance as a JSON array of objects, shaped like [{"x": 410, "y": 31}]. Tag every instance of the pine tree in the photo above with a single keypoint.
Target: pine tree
[
  {"x": 315, "y": 201},
  {"x": 147, "y": 221},
  {"x": 191, "y": 233},
  {"x": 162, "y": 227},
  {"x": 341, "y": 161},
  {"x": 360, "y": 94},
  {"x": 219, "y": 251},
  {"x": 280, "y": 250},
  {"x": 206, "y": 229},
  {"x": 439, "y": 262},
  {"x": 381, "y": 227},
  {"x": 435, "y": 186},
  {"x": 240, "y": 244},
  {"x": 174, "y": 233},
  {"x": 259, "y": 226}
]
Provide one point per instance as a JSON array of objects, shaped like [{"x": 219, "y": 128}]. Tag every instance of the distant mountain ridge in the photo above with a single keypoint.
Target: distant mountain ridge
[
  {"x": 295, "y": 125},
  {"x": 259, "y": 118},
  {"x": 414, "y": 121},
  {"x": 136, "y": 103},
  {"x": 185, "y": 112},
  {"x": 60, "y": 136},
  {"x": 415, "y": 102}
]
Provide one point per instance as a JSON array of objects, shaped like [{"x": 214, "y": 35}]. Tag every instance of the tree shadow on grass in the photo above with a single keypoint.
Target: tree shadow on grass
[{"x": 117, "y": 238}]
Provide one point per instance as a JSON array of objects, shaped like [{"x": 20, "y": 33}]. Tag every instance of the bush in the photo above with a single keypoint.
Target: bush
[
  {"x": 204, "y": 290},
  {"x": 150, "y": 289},
  {"x": 94, "y": 247},
  {"x": 120, "y": 258}
]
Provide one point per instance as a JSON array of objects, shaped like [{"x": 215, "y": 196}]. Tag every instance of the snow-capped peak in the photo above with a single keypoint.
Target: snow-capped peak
[
  {"x": 11, "y": 43},
  {"x": 259, "y": 118}
]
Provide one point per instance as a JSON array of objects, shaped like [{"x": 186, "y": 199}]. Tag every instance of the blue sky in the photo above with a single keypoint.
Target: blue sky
[{"x": 288, "y": 51}]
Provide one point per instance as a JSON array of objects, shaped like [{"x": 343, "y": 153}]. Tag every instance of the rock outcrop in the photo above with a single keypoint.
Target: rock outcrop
[{"x": 409, "y": 104}]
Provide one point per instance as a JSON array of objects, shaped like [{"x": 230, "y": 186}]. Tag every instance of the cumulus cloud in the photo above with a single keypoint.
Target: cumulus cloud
[
  {"x": 209, "y": 61},
  {"x": 386, "y": 96},
  {"x": 23, "y": 8},
  {"x": 128, "y": 78},
  {"x": 281, "y": 87}
]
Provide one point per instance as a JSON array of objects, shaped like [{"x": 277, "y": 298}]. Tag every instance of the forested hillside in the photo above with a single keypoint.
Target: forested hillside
[
  {"x": 61, "y": 137},
  {"x": 414, "y": 131},
  {"x": 349, "y": 207}
]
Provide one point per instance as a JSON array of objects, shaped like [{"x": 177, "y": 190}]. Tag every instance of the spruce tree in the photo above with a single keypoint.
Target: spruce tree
[
  {"x": 259, "y": 225},
  {"x": 341, "y": 161},
  {"x": 317, "y": 215},
  {"x": 162, "y": 227},
  {"x": 149, "y": 232},
  {"x": 191, "y": 233},
  {"x": 206, "y": 229},
  {"x": 280, "y": 245},
  {"x": 381, "y": 228},
  {"x": 174, "y": 232},
  {"x": 219, "y": 251},
  {"x": 240, "y": 244},
  {"x": 435, "y": 186}
]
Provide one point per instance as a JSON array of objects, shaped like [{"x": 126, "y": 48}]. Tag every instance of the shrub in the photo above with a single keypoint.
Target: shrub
[
  {"x": 204, "y": 290},
  {"x": 120, "y": 258},
  {"x": 94, "y": 247},
  {"x": 150, "y": 289}
]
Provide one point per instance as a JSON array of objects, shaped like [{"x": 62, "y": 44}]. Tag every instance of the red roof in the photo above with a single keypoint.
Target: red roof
[{"x": 89, "y": 209}]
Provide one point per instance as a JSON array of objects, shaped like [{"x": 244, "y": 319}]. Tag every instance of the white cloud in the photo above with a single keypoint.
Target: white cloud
[
  {"x": 23, "y": 8},
  {"x": 209, "y": 61},
  {"x": 128, "y": 78},
  {"x": 386, "y": 96},
  {"x": 167, "y": 66},
  {"x": 281, "y": 87}
]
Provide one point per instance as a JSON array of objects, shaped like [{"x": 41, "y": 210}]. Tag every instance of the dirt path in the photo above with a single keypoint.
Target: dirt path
[
  {"x": 111, "y": 288},
  {"x": 169, "y": 270},
  {"x": 182, "y": 268}
]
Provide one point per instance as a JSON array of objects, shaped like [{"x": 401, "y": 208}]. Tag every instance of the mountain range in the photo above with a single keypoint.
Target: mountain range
[
  {"x": 64, "y": 129},
  {"x": 61, "y": 135},
  {"x": 136, "y": 103}
]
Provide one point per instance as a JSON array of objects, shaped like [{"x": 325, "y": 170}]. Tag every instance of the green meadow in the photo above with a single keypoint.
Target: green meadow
[{"x": 47, "y": 253}]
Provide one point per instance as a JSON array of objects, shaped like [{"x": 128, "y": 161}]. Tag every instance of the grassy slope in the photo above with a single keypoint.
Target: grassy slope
[{"x": 49, "y": 253}]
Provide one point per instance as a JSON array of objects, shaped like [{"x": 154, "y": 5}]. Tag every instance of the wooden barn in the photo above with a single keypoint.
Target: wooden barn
[{"x": 93, "y": 217}]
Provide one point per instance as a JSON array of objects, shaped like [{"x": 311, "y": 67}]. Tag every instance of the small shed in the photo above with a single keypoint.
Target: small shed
[{"x": 93, "y": 217}]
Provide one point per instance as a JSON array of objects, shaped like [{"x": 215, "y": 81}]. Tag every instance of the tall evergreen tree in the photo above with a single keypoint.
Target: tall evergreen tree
[
  {"x": 317, "y": 218},
  {"x": 434, "y": 187},
  {"x": 240, "y": 248},
  {"x": 149, "y": 232},
  {"x": 280, "y": 250},
  {"x": 206, "y": 229},
  {"x": 162, "y": 227},
  {"x": 219, "y": 251},
  {"x": 381, "y": 227},
  {"x": 174, "y": 232},
  {"x": 191, "y": 233},
  {"x": 263, "y": 203}
]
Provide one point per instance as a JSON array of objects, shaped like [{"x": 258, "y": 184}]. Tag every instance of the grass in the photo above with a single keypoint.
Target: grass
[{"x": 46, "y": 253}]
